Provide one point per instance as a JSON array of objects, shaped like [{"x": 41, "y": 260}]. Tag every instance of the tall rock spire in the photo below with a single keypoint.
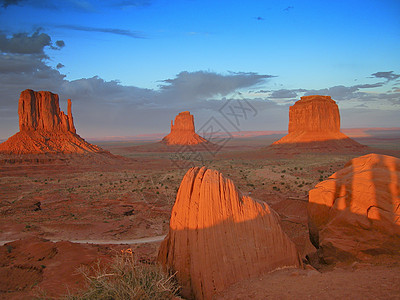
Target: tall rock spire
[{"x": 44, "y": 128}]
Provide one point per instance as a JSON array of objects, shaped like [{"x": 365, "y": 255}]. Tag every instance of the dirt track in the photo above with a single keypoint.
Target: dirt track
[{"x": 152, "y": 239}]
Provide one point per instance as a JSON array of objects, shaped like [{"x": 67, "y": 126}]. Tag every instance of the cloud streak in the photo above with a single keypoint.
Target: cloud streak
[
  {"x": 390, "y": 75},
  {"x": 123, "y": 32}
]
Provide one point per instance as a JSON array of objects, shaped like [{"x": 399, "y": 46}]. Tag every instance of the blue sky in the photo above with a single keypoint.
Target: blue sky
[{"x": 131, "y": 66}]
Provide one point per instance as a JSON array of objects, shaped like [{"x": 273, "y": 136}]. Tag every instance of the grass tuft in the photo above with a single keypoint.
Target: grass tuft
[{"x": 125, "y": 278}]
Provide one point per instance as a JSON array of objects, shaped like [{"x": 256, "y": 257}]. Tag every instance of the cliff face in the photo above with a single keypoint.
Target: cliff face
[
  {"x": 218, "y": 237},
  {"x": 183, "y": 132},
  {"x": 41, "y": 111},
  {"x": 314, "y": 126},
  {"x": 44, "y": 128},
  {"x": 356, "y": 211},
  {"x": 314, "y": 114}
]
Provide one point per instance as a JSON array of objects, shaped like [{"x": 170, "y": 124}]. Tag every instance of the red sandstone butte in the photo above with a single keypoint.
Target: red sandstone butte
[
  {"x": 218, "y": 237},
  {"x": 44, "y": 128},
  {"x": 314, "y": 126},
  {"x": 356, "y": 211},
  {"x": 182, "y": 132}
]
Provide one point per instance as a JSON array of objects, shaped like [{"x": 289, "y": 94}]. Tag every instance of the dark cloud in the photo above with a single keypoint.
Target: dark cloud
[
  {"x": 82, "y": 5},
  {"x": 50, "y": 4},
  {"x": 6, "y": 3},
  {"x": 339, "y": 92},
  {"x": 22, "y": 43},
  {"x": 132, "y": 34},
  {"x": 130, "y": 3},
  {"x": 386, "y": 75},
  {"x": 369, "y": 86},
  {"x": 203, "y": 84},
  {"x": 283, "y": 93},
  {"x": 288, "y": 8},
  {"x": 112, "y": 108},
  {"x": 60, "y": 44}
]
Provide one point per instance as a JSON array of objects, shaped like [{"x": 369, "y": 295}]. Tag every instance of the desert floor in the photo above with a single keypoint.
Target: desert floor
[{"x": 57, "y": 214}]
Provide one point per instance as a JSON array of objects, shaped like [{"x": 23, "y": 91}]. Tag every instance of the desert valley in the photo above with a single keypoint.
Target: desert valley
[{"x": 314, "y": 214}]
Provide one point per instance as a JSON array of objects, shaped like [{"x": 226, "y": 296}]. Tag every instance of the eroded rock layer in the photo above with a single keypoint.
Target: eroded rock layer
[
  {"x": 357, "y": 210},
  {"x": 183, "y": 132},
  {"x": 314, "y": 125},
  {"x": 44, "y": 128},
  {"x": 218, "y": 237}
]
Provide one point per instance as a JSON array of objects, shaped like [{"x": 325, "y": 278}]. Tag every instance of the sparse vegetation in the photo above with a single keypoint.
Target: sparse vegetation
[{"x": 125, "y": 278}]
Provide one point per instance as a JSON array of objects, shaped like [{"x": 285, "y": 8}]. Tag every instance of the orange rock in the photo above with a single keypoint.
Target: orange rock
[
  {"x": 314, "y": 125},
  {"x": 182, "y": 132},
  {"x": 218, "y": 237},
  {"x": 44, "y": 128},
  {"x": 357, "y": 210}
]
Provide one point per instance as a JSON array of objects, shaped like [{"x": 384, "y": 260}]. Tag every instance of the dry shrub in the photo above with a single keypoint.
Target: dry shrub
[{"x": 125, "y": 278}]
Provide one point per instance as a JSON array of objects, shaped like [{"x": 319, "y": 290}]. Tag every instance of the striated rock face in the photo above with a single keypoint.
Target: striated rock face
[
  {"x": 44, "y": 128},
  {"x": 314, "y": 125},
  {"x": 41, "y": 111},
  {"x": 218, "y": 237},
  {"x": 314, "y": 114},
  {"x": 182, "y": 132},
  {"x": 357, "y": 210}
]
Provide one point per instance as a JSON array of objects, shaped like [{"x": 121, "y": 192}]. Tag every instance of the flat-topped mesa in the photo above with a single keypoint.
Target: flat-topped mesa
[
  {"x": 218, "y": 237},
  {"x": 44, "y": 128},
  {"x": 41, "y": 111},
  {"x": 314, "y": 125},
  {"x": 314, "y": 114},
  {"x": 183, "y": 132}
]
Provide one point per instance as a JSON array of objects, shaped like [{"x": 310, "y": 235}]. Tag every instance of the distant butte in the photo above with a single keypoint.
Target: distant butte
[
  {"x": 44, "y": 128},
  {"x": 314, "y": 126},
  {"x": 183, "y": 132}
]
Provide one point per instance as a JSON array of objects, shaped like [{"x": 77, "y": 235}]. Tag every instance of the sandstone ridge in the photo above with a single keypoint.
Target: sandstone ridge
[
  {"x": 44, "y": 128},
  {"x": 314, "y": 126},
  {"x": 218, "y": 237},
  {"x": 356, "y": 212},
  {"x": 183, "y": 132}
]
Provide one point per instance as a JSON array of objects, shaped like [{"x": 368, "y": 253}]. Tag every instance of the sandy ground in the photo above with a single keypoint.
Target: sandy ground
[{"x": 131, "y": 200}]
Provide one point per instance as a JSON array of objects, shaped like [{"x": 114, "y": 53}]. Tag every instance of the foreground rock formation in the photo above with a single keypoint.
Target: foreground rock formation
[
  {"x": 182, "y": 131},
  {"x": 314, "y": 125},
  {"x": 218, "y": 237},
  {"x": 357, "y": 210},
  {"x": 44, "y": 128}
]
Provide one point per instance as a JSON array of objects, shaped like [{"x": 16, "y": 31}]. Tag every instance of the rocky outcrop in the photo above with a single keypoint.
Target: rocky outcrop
[
  {"x": 44, "y": 128},
  {"x": 314, "y": 114},
  {"x": 218, "y": 237},
  {"x": 183, "y": 132},
  {"x": 314, "y": 125},
  {"x": 41, "y": 111},
  {"x": 357, "y": 210}
]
